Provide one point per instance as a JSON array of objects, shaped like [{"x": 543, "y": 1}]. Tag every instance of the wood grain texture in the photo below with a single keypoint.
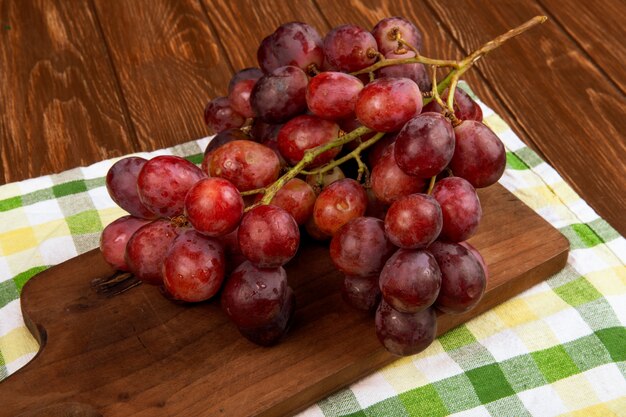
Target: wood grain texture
[
  {"x": 598, "y": 28},
  {"x": 169, "y": 65},
  {"x": 139, "y": 354},
  {"x": 564, "y": 104},
  {"x": 60, "y": 106},
  {"x": 241, "y": 25}
]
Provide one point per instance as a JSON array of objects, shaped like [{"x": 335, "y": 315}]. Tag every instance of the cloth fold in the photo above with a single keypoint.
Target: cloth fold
[{"x": 557, "y": 349}]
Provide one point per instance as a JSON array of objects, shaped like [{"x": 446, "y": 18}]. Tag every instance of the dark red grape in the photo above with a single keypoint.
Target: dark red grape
[
  {"x": 314, "y": 231},
  {"x": 214, "y": 207},
  {"x": 425, "y": 145},
  {"x": 375, "y": 207},
  {"x": 414, "y": 221},
  {"x": 362, "y": 293},
  {"x": 385, "y": 34},
  {"x": 263, "y": 132},
  {"x": 332, "y": 95},
  {"x": 479, "y": 156},
  {"x": 478, "y": 257},
  {"x": 146, "y": 250},
  {"x": 464, "y": 107},
  {"x": 121, "y": 184},
  {"x": 386, "y": 104},
  {"x": 297, "y": 198},
  {"x": 253, "y": 297},
  {"x": 268, "y": 236},
  {"x": 460, "y": 208},
  {"x": 115, "y": 237},
  {"x": 350, "y": 48},
  {"x": 339, "y": 203},
  {"x": 410, "y": 280},
  {"x": 232, "y": 252},
  {"x": 360, "y": 247},
  {"x": 163, "y": 183},
  {"x": 221, "y": 138},
  {"x": 403, "y": 333},
  {"x": 463, "y": 280},
  {"x": 271, "y": 333},
  {"x": 416, "y": 72},
  {"x": 280, "y": 95},
  {"x": 219, "y": 115},
  {"x": 307, "y": 132},
  {"x": 320, "y": 181},
  {"x": 293, "y": 43},
  {"x": 389, "y": 182},
  {"x": 378, "y": 149},
  {"x": 193, "y": 269},
  {"x": 248, "y": 165}
]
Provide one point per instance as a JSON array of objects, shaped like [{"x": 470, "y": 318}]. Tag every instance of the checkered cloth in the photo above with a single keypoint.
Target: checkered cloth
[{"x": 559, "y": 348}]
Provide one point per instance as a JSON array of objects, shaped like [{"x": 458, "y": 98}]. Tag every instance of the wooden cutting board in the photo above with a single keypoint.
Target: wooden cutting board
[{"x": 138, "y": 353}]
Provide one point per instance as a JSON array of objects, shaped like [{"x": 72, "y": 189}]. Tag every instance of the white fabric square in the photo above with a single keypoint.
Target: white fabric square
[
  {"x": 583, "y": 211},
  {"x": 101, "y": 199},
  {"x": 35, "y": 184},
  {"x": 372, "y": 390},
  {"x": 202, "y": 143},
  {"x": 312, "y": 411},
  {"x": 438, "y": 367},
  {"x": 607, "y": 382},
  {"x": 618, "y": 247},
  {"x": 98, "y": 170},
  {"x": 480, "y": 411},
  {"x": 11, "y": 317},
  {"x": 542, "y": 401},
  {"x": 554, "y": 217},
  {"x": 618, "y": 304},
  {"x": 43, "y": 212},
  {"x": 58, "y": 249},
  {"x": 5, "y": 270},
  {"x": 567, "y": 325},
  {"x": 505, "y": 345},
  {"x": 585, "y": 261},
  {"x": 547, "y": 173},
  {"x": 536, "y": 289}
]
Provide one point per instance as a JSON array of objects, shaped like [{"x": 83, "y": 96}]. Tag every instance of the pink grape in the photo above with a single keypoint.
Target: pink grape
[
  {"x": 404, "y": 333},
  {"x": 384, "y": 32},
  {"x": 414, "y": 221},
  {"x": 214, "y": 206},
  {"x": 386, "y": 104},
  {"x": 348, "y": 48},
  {"x": 240, "y": 88},
  {"x": 332, "y": 95},
  {"x": 460, "y": 208},
  {"x": 115, "y": 237},
  {"x": 297, "y": 198},
  {"x": 410, "y": 280},
  {"x": 219, "y": 115},
  {"x": 360, "y": 247},
  {"x": 163, "y": 183},
  {"x": 389, "y": 182},
  {"x": 220, "y": 139},
  {"x": 121, "y": 183},
  {"x": 268, "y": 236},
  {"x": 306, "y": 132},
  {"x": 193, "y": 268},
  {"x": 339, "y": 203}
]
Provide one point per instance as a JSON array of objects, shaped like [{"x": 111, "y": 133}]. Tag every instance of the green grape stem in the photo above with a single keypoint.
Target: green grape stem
[{"x": 451, "y": 80}]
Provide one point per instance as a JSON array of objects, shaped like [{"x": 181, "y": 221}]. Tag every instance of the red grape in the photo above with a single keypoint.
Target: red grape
[
  {"x": 214, "y": 207},
  {"x": 193, "y": 269},
  {"x": 389, "y": 182},
  {"x": 460, "y": 208},
  {"x": 464, "y": 107},
  {"x": 478, "y": 257},
  {"x": 271, "y": 333},
  {"x": 268, "y": 236},
  {"x": 221, "y": 138},
  {"x": 146, "y": 250},
  {"x": 239, "y": 90},
  {"x": 379, "y": 148},
  {"x": 320, "y": 181},
  {"x": 219, "y": 115},
  {"x": 263, "y": 132},
  {"x": 332, "y": 95},
  {"x": 385, "y": 34},
  {"x": 163, "y": 183},
  {"x": 348, "y": 47},
  {"x": 360, "y": 247},
  {"x": 280, "y": 95},
  {"x": 404, "y": 333},
  {"x": 307, "y": 132},
  {"x": 121, "y": 184},
  {"x": 362, "y": 293},
  {"x": 115, "y": 237},
  {"x": 413, "y": 221},
  {"x": 248, "y": 165},
  {"x": 462, "y": 278},
  {"x": 253, "y": 297},
  {"x": 314, "y": 231},
  {"x": 425, "y": 145},
  {"x": 293, "y": 43},
  {"x": 416, "y": 72},
  {"x": 479, "y": 156},
  {"x": 297, "y": 198},
  {"x": 339, "y": 203},
  {"x": 386, "y": 104},
  {"x": 410, "y": 280}
]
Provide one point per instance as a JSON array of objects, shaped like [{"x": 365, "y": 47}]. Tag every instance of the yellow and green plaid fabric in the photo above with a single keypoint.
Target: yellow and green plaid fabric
[{"x": 557, "y": 349}]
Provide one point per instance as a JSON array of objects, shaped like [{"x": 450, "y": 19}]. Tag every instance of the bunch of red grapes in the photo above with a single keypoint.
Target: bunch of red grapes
[{"x": 397, "y": 226}]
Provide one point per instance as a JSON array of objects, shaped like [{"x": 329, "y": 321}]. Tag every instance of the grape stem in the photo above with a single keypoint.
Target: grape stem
[{"x": 431, "y": 185}]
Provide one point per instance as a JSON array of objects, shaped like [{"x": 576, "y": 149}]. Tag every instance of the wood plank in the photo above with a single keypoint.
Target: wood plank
[
  {"x": 60, "y": 106},
  {"x": 139, "y": 354},
  {"x": 598, "y": 28},
  {"x": 566, "y": 106},
  {"x": 169, "y": 64},
  {"x": 241, "y": 24}
]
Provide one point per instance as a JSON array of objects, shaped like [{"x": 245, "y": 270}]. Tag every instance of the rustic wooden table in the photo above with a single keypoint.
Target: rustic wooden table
[{"x": 83, "y": 81}]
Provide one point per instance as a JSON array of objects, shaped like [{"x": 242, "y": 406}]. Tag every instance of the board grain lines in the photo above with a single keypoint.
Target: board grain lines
[{"x": 59, "y": 98}]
